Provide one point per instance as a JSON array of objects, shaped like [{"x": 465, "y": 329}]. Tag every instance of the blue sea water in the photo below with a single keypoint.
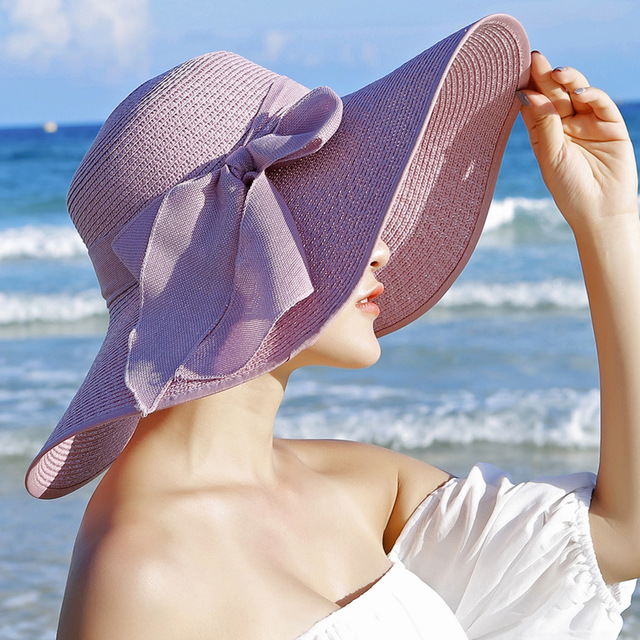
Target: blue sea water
[{"x": 503, "y": 369}]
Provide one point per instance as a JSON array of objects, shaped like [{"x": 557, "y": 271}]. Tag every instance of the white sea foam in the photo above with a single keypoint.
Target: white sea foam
[
  {"x": 549, "y": 417},
  {"x": 40, "y": 242},
  {"x": 548, "y": 294},
  {"x": 20, "y": 600},
  {"x": 528, "y": 217},
  {"x": 18, "y": 445},
  {"x": 563, "y": 418},
  {"x": 55, "y": 308},
  {"x": 507, "y": 211}
]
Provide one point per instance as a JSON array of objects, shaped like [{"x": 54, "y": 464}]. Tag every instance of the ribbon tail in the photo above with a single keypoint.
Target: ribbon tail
[
  {"x": 184, "y": 290},
  {"x": 271, "y": 276}
]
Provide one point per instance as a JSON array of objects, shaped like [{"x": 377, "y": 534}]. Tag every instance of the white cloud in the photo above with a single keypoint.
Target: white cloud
[
  {"x": 369, "y": 53},
  {"x": 353, "y": 47},
  {"x": 83, "y": 33},
  {"x": 274, "y": 42},
  {"x": 42, "y": 29}
]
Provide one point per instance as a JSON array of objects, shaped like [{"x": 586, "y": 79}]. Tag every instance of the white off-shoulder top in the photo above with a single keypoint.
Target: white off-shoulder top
[{"x": 484, "y": 558}]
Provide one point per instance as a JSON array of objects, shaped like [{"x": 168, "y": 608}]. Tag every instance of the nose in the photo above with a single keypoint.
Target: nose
[{"x": 380, "y": 255}]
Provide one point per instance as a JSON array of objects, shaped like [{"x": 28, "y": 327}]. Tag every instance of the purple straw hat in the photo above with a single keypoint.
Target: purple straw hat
[{"x": 230, "y": 213}]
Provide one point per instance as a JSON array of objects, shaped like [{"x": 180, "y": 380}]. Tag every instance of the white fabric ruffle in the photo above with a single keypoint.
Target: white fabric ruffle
[{"x": 514, "y": 561}]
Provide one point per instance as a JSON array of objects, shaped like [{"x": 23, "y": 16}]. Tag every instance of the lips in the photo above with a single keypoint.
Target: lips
[
  {"x": 365, "y": 304},
  {"x": 374, "y": 293}
]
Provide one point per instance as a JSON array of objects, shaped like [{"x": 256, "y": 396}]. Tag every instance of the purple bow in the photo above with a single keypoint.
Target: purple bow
[{"x": 218, "y": 260}]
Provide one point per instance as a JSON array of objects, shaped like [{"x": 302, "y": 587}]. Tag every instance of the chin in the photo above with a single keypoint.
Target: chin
[
  {"x": 359, "y": 357},
  {"x": 370, "y": 359},
  {"x": 340, "y": 354}
]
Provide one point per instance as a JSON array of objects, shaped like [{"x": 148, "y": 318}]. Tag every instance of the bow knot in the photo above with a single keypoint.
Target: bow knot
[
  {"x": 242, "y": 165},
  {"x": 218, "y": 258}
]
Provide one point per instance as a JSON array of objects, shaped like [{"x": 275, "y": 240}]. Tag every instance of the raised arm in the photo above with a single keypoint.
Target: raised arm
[{"x": 587, "y": 162}]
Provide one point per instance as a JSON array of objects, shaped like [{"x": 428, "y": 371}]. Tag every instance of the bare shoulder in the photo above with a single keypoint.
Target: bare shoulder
[
  {"x": 349, "y": 458},
  {"x": 128, "y": 584},
  {"x": 399, "y": 481}
]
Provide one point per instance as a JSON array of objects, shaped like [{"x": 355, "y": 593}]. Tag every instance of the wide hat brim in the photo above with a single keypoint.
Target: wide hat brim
[{"x": 415, "y": 160}]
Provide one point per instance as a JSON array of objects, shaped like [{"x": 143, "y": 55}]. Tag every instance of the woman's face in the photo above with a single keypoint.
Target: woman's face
[{"x": 349, "y": 341}]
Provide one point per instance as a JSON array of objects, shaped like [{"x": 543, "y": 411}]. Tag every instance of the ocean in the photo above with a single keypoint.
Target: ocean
[{"x": 502, "y": 370}]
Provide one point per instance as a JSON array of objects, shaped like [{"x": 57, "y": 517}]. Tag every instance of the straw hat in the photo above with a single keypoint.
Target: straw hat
[{"x": 230, "y": 213}]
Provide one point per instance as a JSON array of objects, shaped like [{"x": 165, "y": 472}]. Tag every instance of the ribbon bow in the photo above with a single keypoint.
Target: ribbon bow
[{"x": 218, "y": 260}]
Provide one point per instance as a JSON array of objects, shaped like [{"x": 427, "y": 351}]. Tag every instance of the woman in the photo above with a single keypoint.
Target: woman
[{"x": 227, "y": 278}]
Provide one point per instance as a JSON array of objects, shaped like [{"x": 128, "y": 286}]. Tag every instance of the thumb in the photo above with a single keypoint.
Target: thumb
[{"x": 545, "y": 129}]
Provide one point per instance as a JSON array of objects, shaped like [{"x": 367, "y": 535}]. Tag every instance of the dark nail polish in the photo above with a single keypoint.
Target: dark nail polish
[{"x": 523, "y": 98}]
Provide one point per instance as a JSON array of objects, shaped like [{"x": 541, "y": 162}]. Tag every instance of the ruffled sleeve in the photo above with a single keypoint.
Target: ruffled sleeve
[{"x": 514, "y": 561}]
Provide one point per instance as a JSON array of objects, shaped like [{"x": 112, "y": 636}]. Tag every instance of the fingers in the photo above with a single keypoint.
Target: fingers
[
  {"x": 571, "y": 80},
  {"x": 596, "y": 100},
  {"x": 569, "y": 92},
  {"x": 547, "y": 82}
]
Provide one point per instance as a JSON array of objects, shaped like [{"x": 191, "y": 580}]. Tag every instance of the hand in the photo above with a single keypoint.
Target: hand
[{"x": 582, "y": 146}]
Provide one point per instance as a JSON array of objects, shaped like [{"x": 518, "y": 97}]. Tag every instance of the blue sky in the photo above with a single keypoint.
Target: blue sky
[{"x": 74, "y": 60}]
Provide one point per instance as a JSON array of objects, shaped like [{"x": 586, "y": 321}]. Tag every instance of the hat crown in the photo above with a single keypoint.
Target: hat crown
[{"x": 175, "y": 126}]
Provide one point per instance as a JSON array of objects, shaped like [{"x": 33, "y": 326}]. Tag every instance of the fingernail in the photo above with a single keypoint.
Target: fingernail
[
  {"x": 580, "y": 90},
  {"x": 524, "y": 99},
  {"x": 535, "y": 51},
  {"x": 560, "y": 69}
]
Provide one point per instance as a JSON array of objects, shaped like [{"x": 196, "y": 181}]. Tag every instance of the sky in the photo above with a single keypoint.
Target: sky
[{"x": 73, "y": 61}]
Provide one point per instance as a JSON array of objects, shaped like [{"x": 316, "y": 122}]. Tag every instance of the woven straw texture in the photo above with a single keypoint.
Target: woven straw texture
[{"x": 414, "y": 158}]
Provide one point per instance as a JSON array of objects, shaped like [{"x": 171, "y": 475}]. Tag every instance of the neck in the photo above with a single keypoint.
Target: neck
[{"x": 219, "y": 439}]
